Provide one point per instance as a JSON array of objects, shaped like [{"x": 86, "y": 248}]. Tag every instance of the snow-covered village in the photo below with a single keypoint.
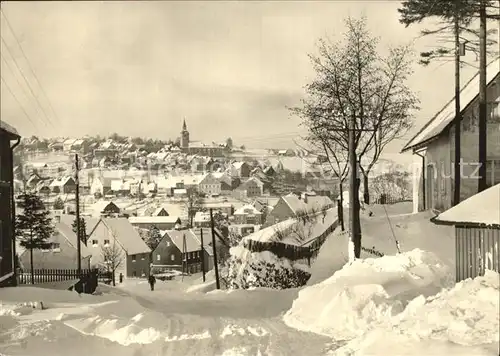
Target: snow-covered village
[{"x": 268, "y": 178}]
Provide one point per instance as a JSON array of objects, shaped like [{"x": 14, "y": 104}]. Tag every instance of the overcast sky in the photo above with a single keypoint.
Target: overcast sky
[{"x": 139, "y": 68}]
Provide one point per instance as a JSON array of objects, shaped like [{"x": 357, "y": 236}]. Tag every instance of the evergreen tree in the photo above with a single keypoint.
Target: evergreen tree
[
  {"x": 447, "y": 12},
  {"x": 153, "y": 237},
  {"x": 33, "y": 226},
  {"x": 83, "y": 230},
  {"x": 58, "y": 204}
]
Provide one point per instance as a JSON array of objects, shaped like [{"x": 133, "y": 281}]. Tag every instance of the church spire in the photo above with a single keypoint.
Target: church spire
[{"x": 184, "y": 126}]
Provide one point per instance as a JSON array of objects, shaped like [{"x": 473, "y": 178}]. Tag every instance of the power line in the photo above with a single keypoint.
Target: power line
[
  {"x": 20, "y": 105},
  {"x": 26, "y": 80},
  {"x": 29, "y": 65},
  {"x": 14, "y": 75}
]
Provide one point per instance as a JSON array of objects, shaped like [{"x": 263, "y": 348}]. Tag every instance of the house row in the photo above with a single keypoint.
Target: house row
[
  {"x": 105, "y": 236},
  {"x": 46, "y": 169},
  {"x": 209, "y": 184},
  {"x": 61, "y": 185}
]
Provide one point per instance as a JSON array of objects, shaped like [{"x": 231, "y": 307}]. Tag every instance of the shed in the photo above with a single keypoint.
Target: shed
[{"x": 477, "y": 233}]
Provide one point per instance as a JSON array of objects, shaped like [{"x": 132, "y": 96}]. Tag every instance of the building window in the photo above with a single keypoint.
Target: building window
[
  {"x": 95, "y": 243},
  {"x": 106, "y": 242},
  {"x": 492, "y": 172},
  {"x": 158, "y": 257},
  {"x": 134, "y": 257},
  {"x": 56, "y": 247},
  {"x": 494, "y": 112},
  {"x": 172, "y": 257},
  {"x": 168, "y": 243}
]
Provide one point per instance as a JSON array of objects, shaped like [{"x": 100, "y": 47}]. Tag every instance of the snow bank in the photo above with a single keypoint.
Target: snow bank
[
  {"x": 248, "y": 269},
  {"x": 122, "y": 331},
  {"x": 206, "y": 287},
  {"x": 47, "y": 296},
  {"x": 461, "y": 321},
  {"x": 367, "y": 293}
]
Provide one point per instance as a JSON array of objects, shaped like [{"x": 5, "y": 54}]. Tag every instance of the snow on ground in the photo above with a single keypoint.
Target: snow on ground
[
  {"x": 132, "y": 320},
  {"x": 365, "y": 293},
  {"x": 406, "y": 299},
  {"x": 379, "y": 233}
]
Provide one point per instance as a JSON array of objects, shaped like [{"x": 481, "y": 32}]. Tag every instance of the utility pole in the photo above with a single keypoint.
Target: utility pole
[
  {"x": 458, "y": 116},
  {"x": 202, "y": 255},
  {"x": 483, "y": 119},
  {"x": 216, "y": 267},
  {"x": 78, "y": 232},
  {"x": 355, "y": 233}
]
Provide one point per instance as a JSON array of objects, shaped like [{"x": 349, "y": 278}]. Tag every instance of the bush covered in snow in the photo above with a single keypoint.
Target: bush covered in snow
[{"x": 245, "y": 270}]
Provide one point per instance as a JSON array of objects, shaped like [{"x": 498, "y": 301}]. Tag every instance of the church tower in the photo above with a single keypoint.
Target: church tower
[{"x": 184, "y": 136}]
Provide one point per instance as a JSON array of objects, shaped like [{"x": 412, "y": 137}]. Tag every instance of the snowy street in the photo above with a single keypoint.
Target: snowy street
[{"x": 170, "y": 324}]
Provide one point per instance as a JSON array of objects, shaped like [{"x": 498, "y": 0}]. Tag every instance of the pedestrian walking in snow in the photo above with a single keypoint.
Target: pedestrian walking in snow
[{"x": 152, "y": 281}]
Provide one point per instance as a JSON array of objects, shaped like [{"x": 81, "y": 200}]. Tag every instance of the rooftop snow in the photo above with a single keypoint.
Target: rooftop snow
[
  {"x": 444, "y": 117},
  {"x": 482, "y": 208}
]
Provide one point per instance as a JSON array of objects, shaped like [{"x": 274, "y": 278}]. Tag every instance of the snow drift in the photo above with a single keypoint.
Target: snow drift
[
  {"x": 367, "y": 293},
  {"x": 460, "y": 321},
  {"x": 247, "y": 269},
  {"x": 405, "y": 299}
]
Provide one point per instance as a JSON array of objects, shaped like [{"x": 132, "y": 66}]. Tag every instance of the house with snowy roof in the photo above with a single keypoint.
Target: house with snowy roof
[
  {"x": 105, "y": 208},
  {"x": 250, "y": 188},
  {"x": 202, "y": 219},
  {"x": 291, "y": 205},
  {"x": 160, "y": 222},
  {"x": 118, "y": 235},
  {"x": 101, "y": 186},
  {"x": 63, "y": 185},
  {"x": 178, "y": 250},
  {"x": 239, "y": 169},
  {"x": 247, "y": 214},
  {"x": 433, "y": 146},
  {"x": 62, "y": 253},
  {"x": 477, "y": 233}
]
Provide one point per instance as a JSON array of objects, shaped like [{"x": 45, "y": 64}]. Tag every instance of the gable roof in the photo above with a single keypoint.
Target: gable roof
[
  {"x": 243, "y": 209},
  {"x": 153, "y": 219},
  {"x": 90, "y": 222},
  {"x": 177, "y": 237},
  {"x": 10, "y": 130},
  {"x": 67, "y": 232},
  {"x": 479, "y": 209},
  {"x": 297, "y": 204},
  {"x": 469, "y": 93},
  {"x": 125, "y": 234}
]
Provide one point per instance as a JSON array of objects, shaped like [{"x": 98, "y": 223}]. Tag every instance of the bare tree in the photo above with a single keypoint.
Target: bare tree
[
  {"x": 113, "y": 257},
  {"x": 193, "y": 204},
  {"x": 354, "y": 80}
]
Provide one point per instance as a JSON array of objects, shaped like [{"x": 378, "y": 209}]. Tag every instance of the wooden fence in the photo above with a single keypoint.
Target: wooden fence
[
  {"x": 87, "y": 280},
  {"x": 476, "y": 250},
  {"x": 280, "y": 249},
  {"x": 386, "y": 199},
  {"x": 303, "y": 253}
]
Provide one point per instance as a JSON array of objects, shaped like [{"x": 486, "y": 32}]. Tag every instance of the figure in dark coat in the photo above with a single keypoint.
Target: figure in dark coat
[{"x": 152, "y": 281}]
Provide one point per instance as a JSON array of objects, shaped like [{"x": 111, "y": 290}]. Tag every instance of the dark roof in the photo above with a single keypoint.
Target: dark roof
[{"x": 11, "y": 131}]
